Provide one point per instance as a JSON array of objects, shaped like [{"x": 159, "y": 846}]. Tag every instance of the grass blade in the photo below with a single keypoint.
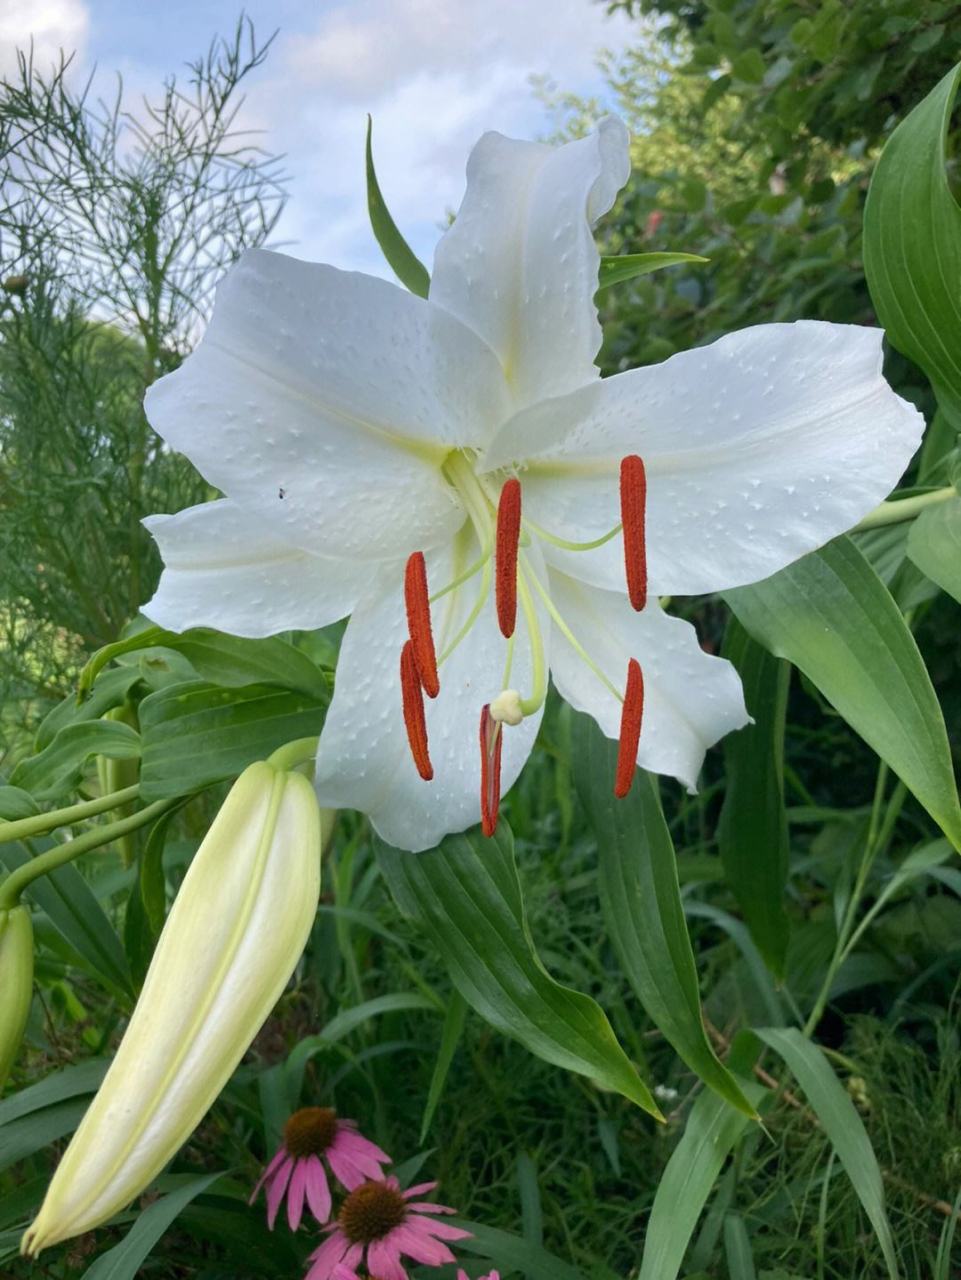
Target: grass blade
[{"x": 839, "y": 1118}]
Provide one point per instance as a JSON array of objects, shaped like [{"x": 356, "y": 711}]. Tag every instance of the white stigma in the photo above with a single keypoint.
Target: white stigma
[{"x": 506, "y": 707}]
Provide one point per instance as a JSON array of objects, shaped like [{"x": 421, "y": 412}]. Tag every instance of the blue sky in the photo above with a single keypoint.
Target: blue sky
[{"x": 434, "y": 73}]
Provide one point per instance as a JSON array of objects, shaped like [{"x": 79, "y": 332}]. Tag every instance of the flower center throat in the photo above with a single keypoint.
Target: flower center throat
[
  {"x": 371, "y": 1212},
  {"x": 502, "y": 532}
]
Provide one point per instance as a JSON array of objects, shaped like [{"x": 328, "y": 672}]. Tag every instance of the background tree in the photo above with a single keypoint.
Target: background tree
[
  {"x": 118, "y": 222},
  {"x": 757, "y": 127}
]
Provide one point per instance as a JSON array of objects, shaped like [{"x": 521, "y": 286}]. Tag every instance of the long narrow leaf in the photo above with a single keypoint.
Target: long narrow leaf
[
  {"x": 710, "y": 1135},
  {"x": 912, "y": 245},
  {"x": 73, "y": 910},
  {"x": 934, "y": 544},
  {"x": 231, "y": 661},
  {"x": 628, "y": 266},
  {"x": 449, "y": 1040},
  {"x": 513, "y": 1253},
  {"x": 831, "y": 616},
  {"x": 195, "y": 733},
  {"x": 58, "y": 768},
  {"x": 71, "y": 1082},
  {"x": 123, "y": 1261},
  {"x": 466, "y": 896},
  {"x": 752, "y": 831},
  {"x": 842, "y": 1124},
  {"x": 641, "y": 902},
  {"x": 402, "y": 260}
]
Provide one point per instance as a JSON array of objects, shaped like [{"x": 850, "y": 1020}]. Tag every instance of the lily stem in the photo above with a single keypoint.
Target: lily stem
[
  {"x": 291, "y": 754},
  {"x": 905, "y": 508},
  {"x": 883, "y": 818},
  {"x": 21, "y": 879},
  {"x": 39, "y": 824}
]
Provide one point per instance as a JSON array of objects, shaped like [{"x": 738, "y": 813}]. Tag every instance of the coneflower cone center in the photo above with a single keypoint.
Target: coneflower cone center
[
  {"x": 310, "y": 1131},
  {"x": 371, "y": 1212}
]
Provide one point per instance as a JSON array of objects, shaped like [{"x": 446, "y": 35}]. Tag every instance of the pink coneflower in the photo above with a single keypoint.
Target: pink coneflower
[
  {"x": 340, "y": 1272},
  {"x": 377, "y": 1226},
  {"x": 312, "y": 1135}
]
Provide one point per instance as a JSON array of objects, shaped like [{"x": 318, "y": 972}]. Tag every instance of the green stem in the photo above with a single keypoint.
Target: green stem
[
  {"x": 21, "y": 879},
  {"x": 294, "y": 753},
  {"x": 905, "y": 509},
  {"x": 879, "y": 832},
  {"x": 41, "y": 823}
]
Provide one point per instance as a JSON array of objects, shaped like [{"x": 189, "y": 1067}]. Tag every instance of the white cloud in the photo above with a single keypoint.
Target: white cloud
[
  {"x": 434, "y": 75},
  {"x": 51, "y": 24}
]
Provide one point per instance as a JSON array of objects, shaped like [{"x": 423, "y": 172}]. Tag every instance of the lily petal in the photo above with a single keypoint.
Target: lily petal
[
  {"x": 691, "y": 699},
  {"x": 224, "y": 569},
  {"x": 519, "y": 265},
  {"x": 364, "y": 761},
  {"x": 758, "y": 448},
  {"x": 324, "y": 401}
]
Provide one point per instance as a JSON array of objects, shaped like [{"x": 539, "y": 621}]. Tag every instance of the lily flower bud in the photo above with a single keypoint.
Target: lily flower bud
[
  {"x": 235, "y": 932},
  {"x": 16, "y": 982}
]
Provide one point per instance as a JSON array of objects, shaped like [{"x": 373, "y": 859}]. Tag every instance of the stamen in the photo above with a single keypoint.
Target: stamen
[
  {"x": 491, "y": 743},
  {"x": 418, "y": 623},
  {"x": 633, "y": 511},
  {"x": 632, "y": 712},
  {"x": 414, "y": 720},
  {"x": 505, "y": 556}
]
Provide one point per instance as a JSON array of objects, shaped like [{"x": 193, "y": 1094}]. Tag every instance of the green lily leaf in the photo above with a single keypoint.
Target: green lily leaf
[
  {"x": 628, "y": 266},
  {"x": 831, "y": 616},
  {"x": 912, "y": 245},
  {"x": 934, "y": 545},
  {"x": 196, "y": 733},
  {"x": 466, "y": 896},
  {"x": 402, "y": 260},
  {"x": 641, "y": 902},
  {"x": 752, "y": 830},
  {"x": 231, "y": 661},
  {"x": 59, "y": 767},
  {"x": 111, "y": 690}
]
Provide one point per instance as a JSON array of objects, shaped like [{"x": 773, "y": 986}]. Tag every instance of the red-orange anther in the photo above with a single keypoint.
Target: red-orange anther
[
  {"x": 414, "y": 721},
  {"x": 505, "y": 556},
  {"x": 632, "y": 713},
  {"x": 418, "y": 623},
  {"x": 491, "y": 743},
  {"x": 633, "y": 517}
]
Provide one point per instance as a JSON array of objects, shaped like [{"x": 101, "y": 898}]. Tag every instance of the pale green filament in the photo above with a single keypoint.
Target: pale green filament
[
  {"x": 461, "y": 475},
  {"x": 461, "y": 578},
  {"x": 472, "y": 616},
  {"x": 572, "y": 640},
  {"x": 539, "y": 666},
  {"x": 509, "y": 662},
  {"x": 481, "y": 511},
  {"x": 566, "y": 545}
]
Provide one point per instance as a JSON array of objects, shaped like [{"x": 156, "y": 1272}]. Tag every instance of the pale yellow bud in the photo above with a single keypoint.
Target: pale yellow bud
[
  {"x": 233, "y": 937},
  {"x": 16, "y": 982}
]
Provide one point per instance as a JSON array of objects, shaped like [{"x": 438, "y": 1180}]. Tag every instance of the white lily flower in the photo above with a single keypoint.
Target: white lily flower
[{"x": 353, "y": 426}]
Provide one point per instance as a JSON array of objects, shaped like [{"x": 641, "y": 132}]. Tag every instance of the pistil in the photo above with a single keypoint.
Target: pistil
[
  {"x": 414, "y": 719},
  {"x": 505, "y": 555},
  {"x": 633, "y": 517},
  {"x": 632, "y": 713}
]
